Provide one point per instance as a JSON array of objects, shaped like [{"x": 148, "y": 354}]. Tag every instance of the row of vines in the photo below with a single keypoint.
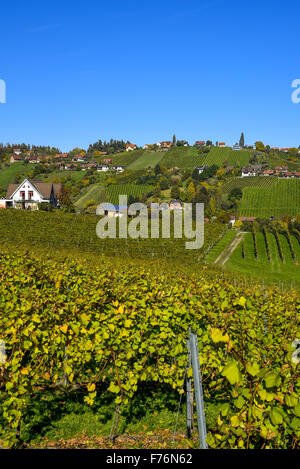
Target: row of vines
[{"x": 111, "y": 329}]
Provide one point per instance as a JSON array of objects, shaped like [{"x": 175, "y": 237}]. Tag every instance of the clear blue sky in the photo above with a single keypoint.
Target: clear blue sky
[{"x": 207, "y": 69}]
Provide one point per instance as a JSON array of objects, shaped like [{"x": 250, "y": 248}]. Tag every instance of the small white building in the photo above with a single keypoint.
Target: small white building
[
  {"x": 102, "y": 168},
  {"x": 130, "y": 147},
  {"x": 112, "y": 210},
  {"x": 119, "y": 169}
]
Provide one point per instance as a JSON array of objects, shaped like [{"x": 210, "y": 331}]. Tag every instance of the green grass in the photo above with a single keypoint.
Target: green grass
[
  {"x": 281, "y": 198},
  {"x": 62, "y": 176},
  {"x": 7, "y": 175},
  {"x": 219, "y": 247},
  {"x": 64, "y": 415}
]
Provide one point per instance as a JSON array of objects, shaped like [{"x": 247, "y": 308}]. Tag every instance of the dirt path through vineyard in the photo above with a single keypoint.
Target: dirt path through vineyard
[{"x": 224, "y": 256}]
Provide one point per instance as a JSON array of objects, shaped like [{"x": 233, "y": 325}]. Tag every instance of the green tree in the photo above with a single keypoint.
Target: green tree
[
  {"x": 163, "y": 183},
  {"x": 223, "y": 217},
  {"x": 259, "y": 146},
  {"x": 65, "y": 200},
  {"x": 175, "y": 192},
  {"x": 235, "y": 193},
  {"x": 157, "y": 169}
]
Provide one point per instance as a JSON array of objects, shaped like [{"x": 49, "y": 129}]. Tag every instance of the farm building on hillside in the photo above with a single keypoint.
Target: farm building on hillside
[
  {"x": 112, "y": 210},
  {"x": 130, "y": 146},
  {"x": 30, "y": 193},
  {"x": 16, "y": 158}
]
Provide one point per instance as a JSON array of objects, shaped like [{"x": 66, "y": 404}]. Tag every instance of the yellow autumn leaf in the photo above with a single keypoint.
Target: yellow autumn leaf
[
  {"x": 64, "y": 328},
  {"x": 218, "y": 336},
  {"x": 91, "y": 387}
]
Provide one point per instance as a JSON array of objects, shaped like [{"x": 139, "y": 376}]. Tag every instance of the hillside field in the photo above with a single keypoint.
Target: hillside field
[
  {"x": 278, "y": 199},
  {"x": 268, "y": 259},
  {"x": 227, "y": 156},
  {"x": 255, "y": 181}
]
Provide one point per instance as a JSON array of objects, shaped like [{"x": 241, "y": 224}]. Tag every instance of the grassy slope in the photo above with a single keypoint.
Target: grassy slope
[
  {"x": 7, "y": 175},
  {"x": 219, "y": 247},
  {"x": 95, "y": 192},
  {"x": 61, "y": 176}
]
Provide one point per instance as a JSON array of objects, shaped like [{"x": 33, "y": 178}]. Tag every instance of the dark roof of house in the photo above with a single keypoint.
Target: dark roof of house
[{"x": 44, "y": 188}]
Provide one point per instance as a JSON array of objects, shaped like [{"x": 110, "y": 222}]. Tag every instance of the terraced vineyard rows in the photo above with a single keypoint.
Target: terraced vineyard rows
[
  {"x": 78, "y": 232},
  {"x": 270, "y": 256},
  {"x": 280, "y": 198},
  {"x": 182, "y": 157},
  {"x": 135, "y": 190},
  {"x": 146, "y": 159},
  {"x": 232, "y": 158},
  {"x": 241, "y": 183}
]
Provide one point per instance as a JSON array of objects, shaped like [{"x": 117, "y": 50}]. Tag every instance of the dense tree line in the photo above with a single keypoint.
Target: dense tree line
[{"x": 109, "y": 147}]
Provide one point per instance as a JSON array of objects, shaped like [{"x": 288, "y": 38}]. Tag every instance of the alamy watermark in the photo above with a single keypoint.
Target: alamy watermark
[
  {"x": 296, "y": 92},
  {"x": 152, "y": 222},
  {"x": 2, "y": 92}
]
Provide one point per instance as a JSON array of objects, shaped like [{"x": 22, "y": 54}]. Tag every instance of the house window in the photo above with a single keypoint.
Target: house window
[
  {"x": 22, "y": 193},
  {"x": 30, "y": 195}
]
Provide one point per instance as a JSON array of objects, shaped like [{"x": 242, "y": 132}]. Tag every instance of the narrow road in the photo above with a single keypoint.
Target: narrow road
[{"x": 224, "y": 256}]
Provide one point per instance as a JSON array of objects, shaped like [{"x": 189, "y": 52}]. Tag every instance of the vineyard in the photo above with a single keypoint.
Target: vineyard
[
  {"x": 145, "y": 160},
  {"x": 218, "y": 156},
  {"x": 269, "y": 255},
  {"x": 263, "y": 182},
  {"x": 77, "y": 233},
  {"x": 135, "y": 190},
  {"x": 281, "y": 198},
  {"x": 112, "y": 330},
  {"x": 125, "y": 158},
  {"x": 107, "y": 321},
  {"x": 182, "y": 157}
]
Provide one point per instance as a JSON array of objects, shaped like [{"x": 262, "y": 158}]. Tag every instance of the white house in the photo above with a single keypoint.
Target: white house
[
  {"x": 102, "y": 168},
  {"x": 130, "y": 147},
  {"x": 16, "y": 158},
  {"x": 30, "y": 193},
  {"x": 119, "y": 169}
]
